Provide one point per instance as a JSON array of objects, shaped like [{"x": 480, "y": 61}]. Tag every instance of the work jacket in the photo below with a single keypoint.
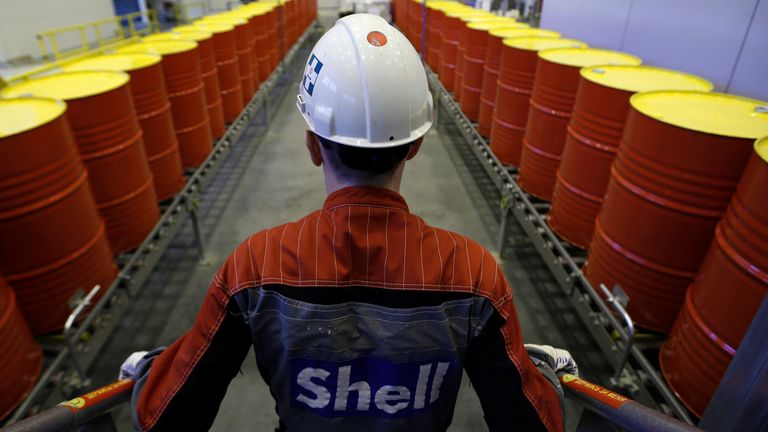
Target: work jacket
[{"x": 362, "y": 317}]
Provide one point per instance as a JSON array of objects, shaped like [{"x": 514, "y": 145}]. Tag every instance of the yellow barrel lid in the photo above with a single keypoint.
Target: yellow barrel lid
[
  {"x": 221, "y": 18},
  {"x": 505, "y": 33},
  {"x": 468, "y": 11},
  {"x": 124, "y": 62},
  {"x": 581, "y": 57},
  {"x": 213, "y": 27},
  {"x": 484, "y": 16},
  {"x": 161, "y": 47},
  {"x": 19, "y": 115},
  {"x": 196, "y": 35},
  {"x": 761, "y": 147},
  {"x": 248, "y": 12},
  {"x": 538, "y": 43},
  {"x": 644, "y": 78},
  {"x": 496, "y": 25},
  {"x": 69, "y": 85},
  {"x": 714, "y": 113},
  {"x": 260, "y": 6}
]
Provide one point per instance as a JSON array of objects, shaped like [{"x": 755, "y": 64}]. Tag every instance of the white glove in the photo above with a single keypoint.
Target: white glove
[
  {"x": 128, "y": 368},
  {"x": 558, "y": 359}
]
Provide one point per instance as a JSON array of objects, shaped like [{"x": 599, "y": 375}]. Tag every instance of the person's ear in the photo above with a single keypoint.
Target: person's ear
[
  {"x": 415, "y": 147},
  {"x": 313, "y": 145}
]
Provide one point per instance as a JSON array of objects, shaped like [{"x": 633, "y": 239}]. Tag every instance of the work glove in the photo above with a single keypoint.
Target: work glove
[
  {"x": 558, "y": 359},
  {"x": 128, "y": 368}
]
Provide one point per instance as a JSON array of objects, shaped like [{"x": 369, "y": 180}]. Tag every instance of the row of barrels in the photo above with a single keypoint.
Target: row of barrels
[
  {"x": 88, "y": 152},
  {"x": 663, "y": 181}
]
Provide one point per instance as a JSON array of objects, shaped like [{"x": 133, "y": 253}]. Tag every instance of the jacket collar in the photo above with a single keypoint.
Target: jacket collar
[{"x": 366, "y": 196}]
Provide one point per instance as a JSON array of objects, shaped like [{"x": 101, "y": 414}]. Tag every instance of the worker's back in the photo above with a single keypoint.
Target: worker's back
[{"x": 363, "y": 311}]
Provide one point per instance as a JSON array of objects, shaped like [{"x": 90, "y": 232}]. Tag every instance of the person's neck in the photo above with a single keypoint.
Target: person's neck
[{"x": 334, "y": 183}]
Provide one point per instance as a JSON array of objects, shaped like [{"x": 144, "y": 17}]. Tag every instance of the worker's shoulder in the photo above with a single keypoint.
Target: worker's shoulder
[{"x": 256, "y": 251}]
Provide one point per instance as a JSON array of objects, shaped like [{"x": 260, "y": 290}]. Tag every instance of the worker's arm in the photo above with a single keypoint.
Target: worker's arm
[
  {"x": 512, "y": 392},
  {"x": 181, "y": 387}
]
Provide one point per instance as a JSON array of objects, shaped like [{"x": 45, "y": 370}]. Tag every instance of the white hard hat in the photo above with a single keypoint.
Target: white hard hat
[{"x": 364, "y": 86}]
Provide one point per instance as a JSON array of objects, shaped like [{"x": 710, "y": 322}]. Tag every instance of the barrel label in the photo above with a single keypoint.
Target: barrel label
[{"x": 594, "y": 391}]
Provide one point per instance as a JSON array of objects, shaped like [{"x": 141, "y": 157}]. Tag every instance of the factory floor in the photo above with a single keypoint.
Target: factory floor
[{"x": 267, "y": 180}]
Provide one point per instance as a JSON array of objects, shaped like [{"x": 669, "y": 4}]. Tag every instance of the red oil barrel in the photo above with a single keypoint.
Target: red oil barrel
[
  {"x": 153, "y": 111},
  {"x": 449, "y": 46},
  {"x": 184, "y": 82},
  {"x": 291, "y": 25},
  {"x": 680, "y": 159},
  {"x": 474, "y": 62},
  {"x": 208, "y": 71},
  {"x": 491, "y": 71},
  {"x": 21, "y": 356},
  {"x": 264, "y": 48},
  {"x": 554, "y": 92},
  {"x": 594, "y": 132},
  {"x": 46, "y": 200},
  {"x": 227, "y": 65},
  {"x": 519, "y": 57},
  {"x": 461, "y": 49},
  {"x": 101, "y": 114},
  {"x": 245, "y": 47},
  {"x": 726, "y": 293},
  {"x": 267, "y": 37}
]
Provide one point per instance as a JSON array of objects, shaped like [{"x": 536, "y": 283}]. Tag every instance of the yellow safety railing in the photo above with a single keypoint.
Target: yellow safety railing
[
  {"x": 95, "y": 34},
  {"x": 58, "y": 64},
  {"x": 184, "y": 11}
]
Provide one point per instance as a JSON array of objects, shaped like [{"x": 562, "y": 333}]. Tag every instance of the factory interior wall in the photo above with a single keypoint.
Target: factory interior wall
[
  {"x": 721, "y": 41},
  {"x": 20, "y": 21}
]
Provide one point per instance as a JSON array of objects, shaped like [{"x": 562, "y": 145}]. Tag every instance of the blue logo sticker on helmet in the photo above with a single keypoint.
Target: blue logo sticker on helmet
[{"x": 312, "y": 72}]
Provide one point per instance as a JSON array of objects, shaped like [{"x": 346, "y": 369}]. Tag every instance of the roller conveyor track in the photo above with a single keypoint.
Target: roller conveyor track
[{"x": 635, "y": 373}]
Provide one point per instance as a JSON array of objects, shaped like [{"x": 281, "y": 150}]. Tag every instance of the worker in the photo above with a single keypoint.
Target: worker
[{"x": 361, "y": 315}]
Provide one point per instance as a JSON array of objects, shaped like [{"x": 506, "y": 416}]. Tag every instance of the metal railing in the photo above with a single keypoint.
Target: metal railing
[
  {"x": 607, "y": 322},
  {"x": 83, "y": 38},
  {"x": 616, "y": 409},
  {"x": 78, "y": 347},
  {"x": 93, "y": 409}
]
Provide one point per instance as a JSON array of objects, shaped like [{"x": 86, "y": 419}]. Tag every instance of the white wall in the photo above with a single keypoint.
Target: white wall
[
  {"x": 725, "y": 41},
  {"x": 20, "y": 20}
]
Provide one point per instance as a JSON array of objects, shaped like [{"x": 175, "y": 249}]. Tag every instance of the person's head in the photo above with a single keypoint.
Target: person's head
[{"x": 365, "y": 98}]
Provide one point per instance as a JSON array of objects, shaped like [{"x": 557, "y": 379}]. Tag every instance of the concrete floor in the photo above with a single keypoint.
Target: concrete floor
[{"x": 268, "y": 179}]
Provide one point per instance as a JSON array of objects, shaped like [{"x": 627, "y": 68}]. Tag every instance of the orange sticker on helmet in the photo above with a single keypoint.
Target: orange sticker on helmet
[{"x": 377, "y": 38}]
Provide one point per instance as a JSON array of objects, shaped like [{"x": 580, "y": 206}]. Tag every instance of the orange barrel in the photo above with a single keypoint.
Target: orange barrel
[
  {"x": 21, "y": 356},
  {"x": 208, "y": 71},
  {"x": 554, "y": 92},
  {"x": 227, "y": 65},
  {"x": 452, "y": 25},
  {"x": 54, "y": 241},
  {"x": 491, "y": 71},
  {"x": 726, "y": 293},
  {"x": 599, "y": 114},
  {"x": 461, "y": 49},
  {"x": 519, "y": 57},
  {"x": 680, "y": 159},
  {"x": 153, "y": 111},
  {"x": 259, "y": 21},
  {"x": 291, "y": 28},
  {"x": 245, "y": 46},
  {"x": 435, "y": 21},
  {"x": 474, "y": 63},
  {"x": 267, "y": 37},
  {"x": 181, "y": 68},
  {"x": 103, "y": 119}
]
